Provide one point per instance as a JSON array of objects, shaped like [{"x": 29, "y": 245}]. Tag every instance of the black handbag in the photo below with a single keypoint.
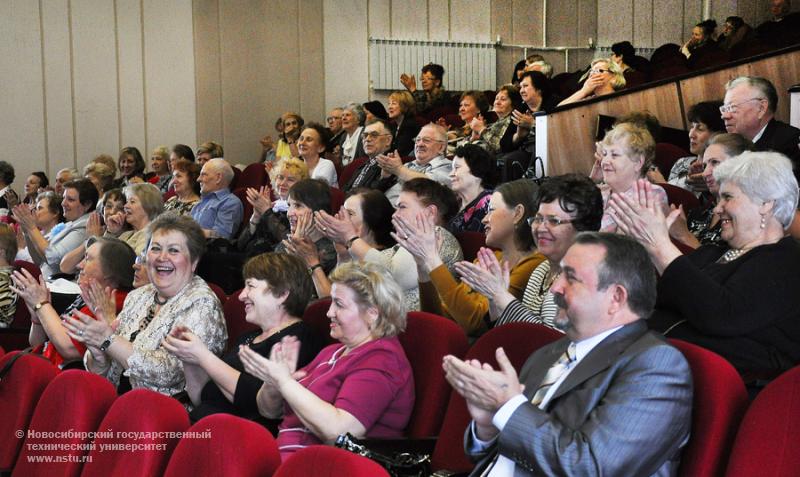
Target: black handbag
[{"x": 400, "y": 464}]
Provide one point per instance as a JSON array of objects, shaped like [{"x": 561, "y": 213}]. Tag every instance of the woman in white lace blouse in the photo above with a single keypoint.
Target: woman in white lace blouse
[{"x": 128, "y": 349}]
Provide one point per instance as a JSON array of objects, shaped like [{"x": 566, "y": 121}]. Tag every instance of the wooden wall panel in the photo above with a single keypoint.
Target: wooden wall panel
[
  {"x": 668, "y": 20},
  {"x": 130, "y": 65},
  {"x": 562, "y": 25},
  {"x": 207, "y": 72},
  {"x": 57, "y": 85},
  {"x": 643, "y": 23}
]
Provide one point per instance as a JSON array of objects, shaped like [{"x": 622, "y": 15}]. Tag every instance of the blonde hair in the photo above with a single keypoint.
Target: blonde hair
[
  {"x": 161, "y": 151},
  {"x": 407, "y": 104},
  {"x": 618, "y": 80},
  {"x": 374, "y": 286},
  {"x": 636, "y": 140},
  {"x": 291, "y": 164}
]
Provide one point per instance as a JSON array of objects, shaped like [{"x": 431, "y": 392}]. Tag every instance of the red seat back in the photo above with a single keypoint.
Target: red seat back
[
  {"x": 470, "y": 243},
  {"x": 720, "y": 400},
  {"x": 680, "y": 196},
  {"x": 235, "y": 321},
  {"x": 767, "y": 442},
  {"x": 519, "y": 341},
  {"x": 140, "y": 412},
  {"x": 316, "y": 316},
  {"x": 427, "y": 340},
  {"x": 350, "y": 169},
  {"x": 254, "y": 175},
  {"x": 247, "y": 209},
  {"x": 20, "y": 390},
  {"x": 85, "y": 397},
  {"x": 237, "y": 174},
  {"x": 221, "y": 296},
  {"x": 666, "y": 156},
  {"x": 234, "y": 446},
  {"x": 327, "y": 461},
  {"x": 337, "y": 199}
]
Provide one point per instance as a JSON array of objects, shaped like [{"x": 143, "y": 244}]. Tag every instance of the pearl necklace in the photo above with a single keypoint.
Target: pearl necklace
[{"x": 731, "y": 255}]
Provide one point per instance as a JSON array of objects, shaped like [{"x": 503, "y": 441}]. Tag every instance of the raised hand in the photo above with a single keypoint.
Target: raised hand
[{"x": 259, "y": 199}]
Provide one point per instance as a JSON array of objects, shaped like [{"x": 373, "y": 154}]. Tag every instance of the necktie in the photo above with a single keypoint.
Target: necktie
[{"x": 555, "y": 372}]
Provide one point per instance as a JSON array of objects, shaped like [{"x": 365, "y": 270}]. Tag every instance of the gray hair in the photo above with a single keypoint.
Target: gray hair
[
  {"x": 763, "y": 177},
  {"x": 358, "y": 110},
  {"x": 544, "y": 67},
  {"x": 763, "y": 85},
  {"x": 222, "y": 166},
  {"x": 149, "y": 196},
  {"x": 441, "y": 133},
  {"x": 72, "y": 172}
]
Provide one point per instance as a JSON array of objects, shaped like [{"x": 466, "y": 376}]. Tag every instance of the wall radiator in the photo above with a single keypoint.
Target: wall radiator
[{"x": 466, "y": 65}]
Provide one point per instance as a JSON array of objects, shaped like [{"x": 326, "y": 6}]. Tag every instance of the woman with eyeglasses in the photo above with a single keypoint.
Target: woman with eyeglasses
[
  {"x": 604, "y": 77},
  {"x": 568, "y": 205},
  {"x": 311, "y": 144},
  {"x": 506, "y": 229}
]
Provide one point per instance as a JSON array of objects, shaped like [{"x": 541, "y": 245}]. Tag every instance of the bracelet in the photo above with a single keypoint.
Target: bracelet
[
  {"x": 351, "y": 241},
  {"x": 107, "y": 342},
  {"x": 314, "y": 267}
]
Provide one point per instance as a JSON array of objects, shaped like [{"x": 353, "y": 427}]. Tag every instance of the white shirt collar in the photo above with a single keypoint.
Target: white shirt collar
[{"x": 760, "y": 133}]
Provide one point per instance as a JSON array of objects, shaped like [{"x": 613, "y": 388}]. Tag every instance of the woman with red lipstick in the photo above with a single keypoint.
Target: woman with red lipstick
[
  {"x": 738, "y": 299},
  {"x": 277, "y": 289},
  {"x": 362, "y": 385}
]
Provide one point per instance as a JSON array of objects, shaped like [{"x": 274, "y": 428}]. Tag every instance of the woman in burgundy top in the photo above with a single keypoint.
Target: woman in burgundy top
[{"x": 363, "y": 386}]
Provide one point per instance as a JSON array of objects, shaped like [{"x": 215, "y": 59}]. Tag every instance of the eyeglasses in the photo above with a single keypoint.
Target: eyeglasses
[
  {"x": 732, "y": 108},
  {"x": 371, "y": 136},
  {"x": 598, "y": 71},
  {"x": 551, "y": 220},
  {"x": 426, "y": 140},
  {"x": 331, "y": 118}
]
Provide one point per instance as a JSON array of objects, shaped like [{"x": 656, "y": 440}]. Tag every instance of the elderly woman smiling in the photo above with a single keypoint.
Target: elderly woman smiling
[
  {"x": 362, "y": 385},
  {"x": 739, "y": 300},
  {"x": 131, "y": 355}
]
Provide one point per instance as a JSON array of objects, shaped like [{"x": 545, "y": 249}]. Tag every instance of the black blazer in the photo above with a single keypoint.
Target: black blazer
[
  {"x": 783, "y": 138},
  {"x": 404, "y": 135}
]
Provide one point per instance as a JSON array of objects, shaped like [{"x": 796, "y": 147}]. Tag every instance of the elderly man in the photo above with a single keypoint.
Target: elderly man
[
  {"x": 429, "y": 148},
  {"x": 334, "y": 122},
  {"x": 749, "y": 110},
  {"x": 377, "y": 138},
  {"x": 219, "y": 212},
  {"x": 209, "y": 150},
  {"x": 610, "y": 398},
  {"x": 62, "y": 177},
  {"x": 783, "y": 29}
]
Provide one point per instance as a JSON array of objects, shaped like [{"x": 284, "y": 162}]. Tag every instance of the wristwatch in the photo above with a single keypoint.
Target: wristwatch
[
  {"x": 39, "y": 305},
  {"x": 104, "y": 346}
]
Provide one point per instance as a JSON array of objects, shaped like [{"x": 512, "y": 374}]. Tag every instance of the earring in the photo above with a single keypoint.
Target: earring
[{"x": 763, "y": 222}]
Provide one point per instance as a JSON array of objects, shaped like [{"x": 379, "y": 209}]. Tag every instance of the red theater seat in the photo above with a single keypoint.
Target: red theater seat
[
  {"x": 235, "y": 321},
  {"x": 326, "y": 461},
  {"x": 316, "y": 316}
]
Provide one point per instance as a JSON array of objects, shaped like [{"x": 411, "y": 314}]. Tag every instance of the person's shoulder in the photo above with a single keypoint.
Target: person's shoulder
[{"x": 783, "y": 127}]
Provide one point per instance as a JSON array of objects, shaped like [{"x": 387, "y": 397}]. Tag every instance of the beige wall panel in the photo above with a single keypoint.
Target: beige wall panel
[
  {"x": 207, "y": 74},
  {"x": 346, "y": 61},
  {"x": 667, "y": 22},
  {"x": 692, "y": 14},
  {"x": 614, "y": 21},
  {"x": 579, "y": 59},
  {"x": 470, "y": 20},
  {"x": 169, "y": 73},
  {"x": 380, "y": 18},
  {"x": 131, "y": 75},
  {"x": 587, "y": 22},
  {"x": 23, "y": 131},
  {"x": 409, "y": 19},
  {"x": 750, "y": 11},
  {"x": 562, "y": 23},
  {"x": 95, "y": 76},
  {"x": 501, "y": 20},
  {"x": 506, "y": 59},
  {"x": 527, "y": 19},
  {"x": 58, "y": 85},
  {"x": 311, "y": 65},
  {"x": 643, "y": 23},
  {"x": 440, "y": 25},
  {"x": 720, "y": 9}
]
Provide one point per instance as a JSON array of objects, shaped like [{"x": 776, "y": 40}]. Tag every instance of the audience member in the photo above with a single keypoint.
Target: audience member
[
  {"x": 101, "y": 175},
  {"x": 178, "y": 152},
  {"x": 497, "y": 137},
  {"x": 516, "y": 76},
  {"x": 277, "y": 289},
  {"x": 735, "y": 32},
  {"x": 219, "y": 212},
  {"x": 8, "y": 297},
  {"x": 429, "y": 161},
  {"x": 377, "y": 139},
  {"x": 62, "y": 177},
  {"x": 108, "y": 262},
  {"x": 334, "y": 122},
  {"x": 472, "y": 178},
  {"x": 433, "y": 94},
  {"x": 749, "y": 110},
  {"x": 701, "y": 50},
  {"x": 738, "y": 300},
  {"x": 363, "y": 385},
  {"x": 402, "y": 110},
  {"x": 131, "y": 355},
  {"x": 784, "y": 27},
  {"x": 8, "y": 198},
  {"x": 472, "y": 105},
  {"x": 269, "y": 224},
  {"x": 350, "y": 144},
  {"x": 507, "y": 231},
  {"x": 131, "y": 167},
  {"x": 311, "y": 144},
  {"x": 287, "y": 142},
  {"x": 610, "y": 398},
  {"x": 374, "y": 110},
  {"x": 142, "y": 205},
  {"x": 209, "y": 150},
  {"x": 568, "y": 204},
  {"x": 185, "y": 174},
  {"x": 48, "y": 218},
  {"x": 35, "y": 183},
  {"x": 604, "y": 77},
  {"x": 159, "y": 162}
]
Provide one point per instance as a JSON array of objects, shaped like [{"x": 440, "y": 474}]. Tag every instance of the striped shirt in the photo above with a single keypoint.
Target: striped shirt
[{"x": 537, "y": 304}]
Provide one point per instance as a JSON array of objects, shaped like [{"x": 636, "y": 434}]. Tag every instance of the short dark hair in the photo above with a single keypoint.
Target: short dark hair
[
  {"x": 436, "y": 70},
  {"x": 376, "y": 210},
  {"x": 430, "y": 192},
  {"x": 708, "y": 27},
  {"x": 173, "y": 222},
  {"x": 53, "y": 203},
  {"x": 43, "y": 181},
  {"x": 324, "y": 133},
  {"x": 314, "y": 193},
  {"x": 540, "y": 82},
  {"x": 284, "y": 273},
  {"x": 522, "y": 192},
  {"x": 87, "y": 192},
  {"x": 183, "y": 152},
  {"x": 481, "y": 163},
  {"x": 707, "y": 112},
  {"x": 578, "y": 195},
  {"x": 139, "y": 164},
  {"x": 6, "y": 172},
  {"x": 626, "y": 263},
  {"x": 480, "y": 99},
  {"x": 386, "y": 126},
  {"x": 116, "y": 261},
  {"x": 191, "y": 169},
  {"x": 623, "y": 49}
]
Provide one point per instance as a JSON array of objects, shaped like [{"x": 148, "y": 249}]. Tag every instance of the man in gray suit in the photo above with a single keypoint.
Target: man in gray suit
[{"x": 610, "y": 398}]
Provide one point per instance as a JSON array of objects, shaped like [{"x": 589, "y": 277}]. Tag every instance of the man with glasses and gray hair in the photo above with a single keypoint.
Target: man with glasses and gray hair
[
  {"x": 377, "y": 139},
  {"x": 749, "y": 110},
  {"x": 429, "y": 148}
]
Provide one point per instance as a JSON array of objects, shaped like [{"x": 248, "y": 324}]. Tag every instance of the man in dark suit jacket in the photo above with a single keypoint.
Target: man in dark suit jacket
[
  {"x": 749, "y": 110},
  {"x": 378, "y": 136},
  {"x": 610, "y": 398}
]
